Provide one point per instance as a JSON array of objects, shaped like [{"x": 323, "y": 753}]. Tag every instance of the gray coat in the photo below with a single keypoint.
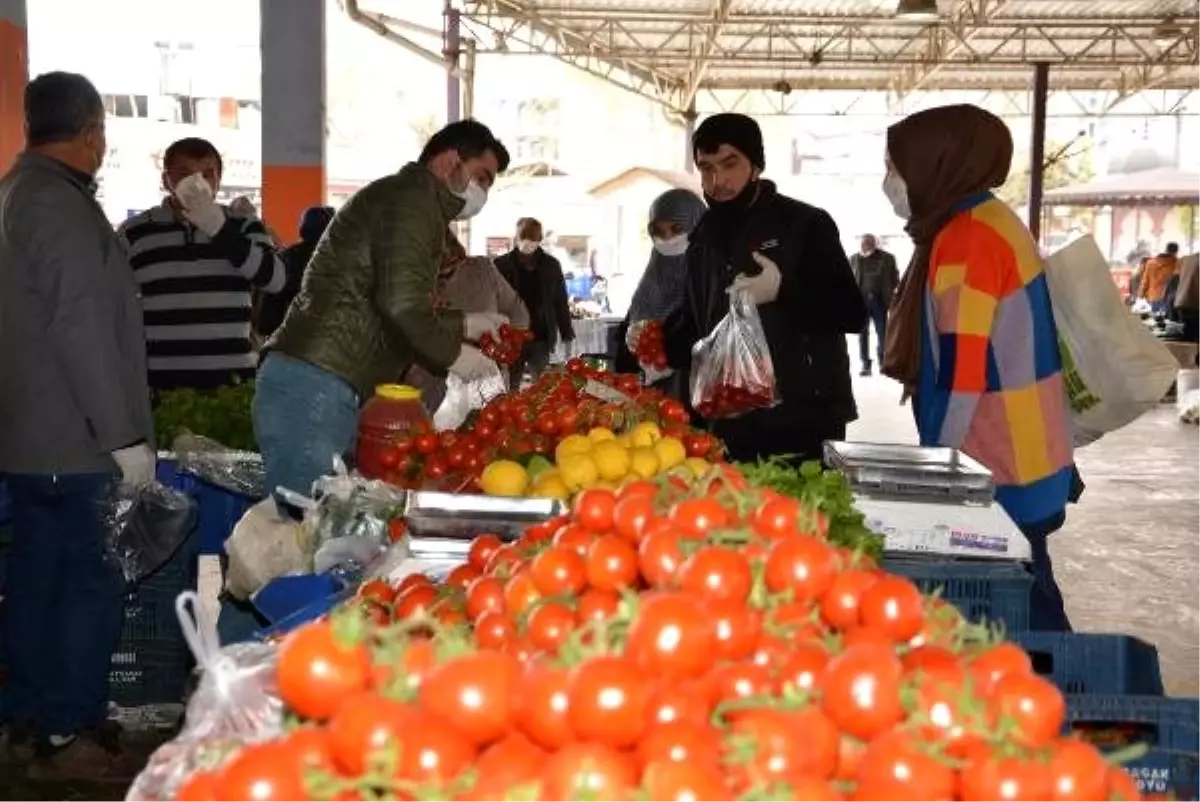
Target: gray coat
[{"x": 72, "y": 352}]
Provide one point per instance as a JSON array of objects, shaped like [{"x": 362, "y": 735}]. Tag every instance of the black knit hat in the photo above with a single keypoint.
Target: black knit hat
[{"x": 735, "y": 130}]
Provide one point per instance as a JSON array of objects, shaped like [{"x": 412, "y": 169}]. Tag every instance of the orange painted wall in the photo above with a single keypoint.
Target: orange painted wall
[
  {"x": 14, "y": 74},
  {"x": 287, "y": 190}
]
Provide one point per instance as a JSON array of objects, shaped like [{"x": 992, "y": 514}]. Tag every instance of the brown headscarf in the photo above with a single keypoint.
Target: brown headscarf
[{"x": 944, "y": 155}]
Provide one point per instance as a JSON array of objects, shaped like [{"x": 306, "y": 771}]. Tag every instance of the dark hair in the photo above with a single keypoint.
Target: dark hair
[
  {"x": 192, "y": 147},
  {"x": 59, "y": 106},
  {"x": 470, "y": 138},
  {"x": 1173, "y": 248}
]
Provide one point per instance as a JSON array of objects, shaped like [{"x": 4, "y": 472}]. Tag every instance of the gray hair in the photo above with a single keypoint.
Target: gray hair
[{"x": 60, "y": 106}]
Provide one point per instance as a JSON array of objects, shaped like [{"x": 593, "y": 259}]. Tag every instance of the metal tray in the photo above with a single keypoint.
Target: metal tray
[
  {"x": 919, "y": 472},
  {"x": 446, "y": 522}
]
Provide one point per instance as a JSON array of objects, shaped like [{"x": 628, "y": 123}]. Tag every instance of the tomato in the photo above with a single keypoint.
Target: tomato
[
  {"x": 412, "y": 581},
  {"x": 575, "y": 537},
  {"x": 397, "y": 529},
  {"x": 699, "y": 516},
  {"x": 404, "y": 676},
  {"x": 377, "y": 590},
  {"x": 1077, "y": 771},
  {"x": 929, "y": 657},
  {"x": 494, "y": 630},
  {"x": 597, "y": 605},
  {"x": 461, "y": 576},
  {"x": 588, "y": 771},
  {"x": 265, "y": 771},
  {"x": 787, "y": 744},
  {"x": 660, "y": 554},
  {"x": 520, "y": 593},
  {"x": 310, "y": 746},
  {"x": 673, "y": 781},
  {"x": 612, "y": 563},
  {"x": 1033, "y": 707},
  {"x": 736, "y": 627},
  {"x": 485, "y": 595},
  {"x": 996, "y": 777},
  {"x": 735, "y": 681},
  {"x": 772, "y": 651},
  {"x": 894, "y": 767},
  {"x": 363, "y": 725},
  {"x": 316, "y": 669},
  {"x": 839, "y": 605},
  {"x": 1120, "y": 785},
  {"x": 776, "y": 518},
  {"x": 675, "y": 701},
  {"x": 549, "y": 625},
  {"x": 432, "y": 752},
  {"x": 718, "y": 573},
  {"x": 941, "y": 699},
  {"x": 640, "y": 488},
  {"x": 671, "y": 636},
  {"x": 894, "y": 606},
  {"x": 567, "y": 420},
  {"x": 482, "y": 548},
  {"x": 631, "y": 515},
  {"x": 425, "y": 444},
  {"x": 698, "y": 445},
  {"x": 542, "y": 705},
  {"x": 801, "y": 669},
  {"x": 200, "y": 786},
  {"x": 673, "y": 411},
  {"x": 607, "y": 701},
  {"x": 558, "y": 571},
  {"x": 389, "y": 458},
  {"x": 990, "y": 665},
  {"x": 679, "y": 742},
  {"x": 861, "y": 690},
  {"x": 803, "y": 565},
  {"x": 417, "y": 599},
  {"x": 473, "y": 693}
]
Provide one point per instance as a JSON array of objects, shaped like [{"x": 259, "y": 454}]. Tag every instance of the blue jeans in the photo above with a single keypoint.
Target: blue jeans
[
  {"x": 876, "y": 316},
  {"x": 65, "y": 603},
  {"x": 304, "y": 416}
]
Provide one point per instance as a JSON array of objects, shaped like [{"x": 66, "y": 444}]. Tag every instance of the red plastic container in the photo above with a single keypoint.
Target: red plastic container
[{"x": 395, "y": 411}]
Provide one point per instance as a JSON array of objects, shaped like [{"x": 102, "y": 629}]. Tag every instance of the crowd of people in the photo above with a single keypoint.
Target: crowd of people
[{"x": 92, "y": 320}]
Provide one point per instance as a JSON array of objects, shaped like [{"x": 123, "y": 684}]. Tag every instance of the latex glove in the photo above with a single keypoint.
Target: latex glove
[
  {"x": 633, "y": 334},
  {"x": 137, "y": 464},
  {"x": 764, "y": 287},
  {"x": 471, "y": 364},
  {"x": 243, "y": 207},
  {"x": 476, "y": 323},
  {"x": 198, "y": 204}
]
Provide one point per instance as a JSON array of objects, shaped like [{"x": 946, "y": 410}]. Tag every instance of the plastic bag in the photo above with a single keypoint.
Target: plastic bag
[
  {"x": 235, "y": 702},
  {"x": 237, "y": 471},
  {"x": 146, "y": 525},
  {"x": 265, "y": 545},
  {"x": 732, "y": 371},
  {"x": 464, "y": 397},
  {"x": 1114, "y": 368}
]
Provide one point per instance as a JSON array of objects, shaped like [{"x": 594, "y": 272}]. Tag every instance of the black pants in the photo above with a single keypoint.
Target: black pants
[
  {"x": 877, "y": 317},
  {"x": 746, "y": 440},
  {"x": 535, "y": 356}
]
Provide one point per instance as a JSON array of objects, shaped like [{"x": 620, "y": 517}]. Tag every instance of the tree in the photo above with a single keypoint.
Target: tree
[{"x": 1065, "y": 164}]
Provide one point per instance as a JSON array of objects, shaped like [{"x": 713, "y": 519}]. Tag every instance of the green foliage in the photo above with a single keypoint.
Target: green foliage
[{"x": 222, "y": 415}]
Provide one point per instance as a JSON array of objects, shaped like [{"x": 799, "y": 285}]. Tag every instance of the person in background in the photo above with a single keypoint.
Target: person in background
[
  {"x": 270, "y": 309},
  {"x": 1135, "y": 281},
  {"x": 366, "y": 311},
  {"x": 1156, "y": 278},
  {"x": 877, "y": 277},
  {"x": 674, "y": 215},
  {"x": 1186, "y": 303},
  {"x": 196, "y": 262},
  {"x": 76, "y": 419},
  {"x": 538, "y": 279},
  {"x": 469, "y": 284},
  {"x": 971, "y": 333},
  {"x": 789, "y": 258}
]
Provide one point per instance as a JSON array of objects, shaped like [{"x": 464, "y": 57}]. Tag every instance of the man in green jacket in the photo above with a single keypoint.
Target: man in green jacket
[{"x": 366, "y": 312}]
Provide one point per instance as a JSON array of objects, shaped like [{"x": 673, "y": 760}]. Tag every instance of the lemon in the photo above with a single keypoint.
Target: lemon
[
  {"x": 625, "y": 440},
  {"x": 577, "y": 471},
  {"x": 643, "y": 462},
  {"x": 550, "y": 485},
  {"x": 504, "y": 478},
  {"x": 698, "y": 467},
  {"x": 600, "y": 434},
  {"x": 670, "y": 452},
  {"x": 612, "y": 461},
  {"x": 571, "y": 445},
  {"x": 645, "y": 434}
]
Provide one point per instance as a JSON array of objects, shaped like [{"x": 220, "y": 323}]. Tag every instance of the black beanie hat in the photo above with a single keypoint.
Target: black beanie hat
[{"x": 735, "y": 130}]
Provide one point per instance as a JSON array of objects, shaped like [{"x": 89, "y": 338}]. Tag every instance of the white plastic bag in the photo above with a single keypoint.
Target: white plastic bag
[
  {"x": 1114, "y": 369},
  {"x": 463, "y": 397},
  {"x": 265, "y": 545}
]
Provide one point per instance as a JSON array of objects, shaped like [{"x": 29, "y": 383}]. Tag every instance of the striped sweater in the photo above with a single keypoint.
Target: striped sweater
[
  {"x": 991, "y": 379},
  {"x": 196, "y": 295}
]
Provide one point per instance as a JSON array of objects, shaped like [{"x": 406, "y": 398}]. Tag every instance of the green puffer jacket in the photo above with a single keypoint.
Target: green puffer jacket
[{"x": 365, "y": 309}]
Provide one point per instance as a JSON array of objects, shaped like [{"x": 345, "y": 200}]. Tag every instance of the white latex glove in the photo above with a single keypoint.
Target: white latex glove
[
  {"x": 476, "y": 323},
  {"x": 764, "y": 287},
  {"x": 137, "y": 464},
  {"x": 633, "y": 334},
  {"x": 198, "y": 204},
  {"x": 471, "y": 364},
  {"x": 243, "y": 207}
]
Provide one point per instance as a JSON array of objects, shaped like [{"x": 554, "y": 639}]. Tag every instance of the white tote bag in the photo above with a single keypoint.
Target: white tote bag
[{"x": 1113, "y": 367}]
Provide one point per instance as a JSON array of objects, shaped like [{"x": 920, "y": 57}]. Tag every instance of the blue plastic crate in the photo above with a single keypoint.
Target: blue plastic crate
[
  {"x": 1093, "y": 663},
  {"x": 995, "y": 592},
  {"x": 286, "y": 595},
  {"x": 219, "y": 509},
  {"x": 1170, "y": 727}
]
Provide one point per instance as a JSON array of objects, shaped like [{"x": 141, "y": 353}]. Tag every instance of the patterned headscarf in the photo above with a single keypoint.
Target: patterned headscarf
[{"x": 661, "y": 289}]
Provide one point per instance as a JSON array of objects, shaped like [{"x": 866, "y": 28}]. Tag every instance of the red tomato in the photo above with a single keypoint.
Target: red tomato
[
  {"x": 803, "y": 667},
  {"x": 660, "y": 554},
  {"x": 261, "y": 772},
  {"x": 839, "y": 605},
  {"x": 432, "y": 752},
  {"x": 699, "y": 516},
  {"x": 640, "y": 488},
  {"x": 542, "y": 705},
  {"x": 597, "y": 605},
  {"x": 506, "y": 766},
  {"x": 893, "y": 606},
  {"x": 200, "y": 786},
  {"x": 461, "y": 576},
  {"x": 941, "y": 699},
  {"x": 417, "y": 599},
  {"x": 718, "y": 573},
  {"x": 631, "y": 515},
  {"x": 310, "y": 746},
  {"x": 1078, "y": 771},
  {"x": 558, "y": 571},
  {"x": 364, "y": 725},
  {"x": 549, "y": 625},
  {"x": 684, "y": 782},
  {"x": 786, "y": 744},
  {"x": 588, "y": 771},
  {"x": 575, "y": 537},
  {"x": 412, "y": 581},
  {"x": 520, "y": 593},
  {"x": 607, "y": 701},
  {"x": 1034, "y": 708},
  {"x": 680, "y": 742},
  {"x": 378, "y": 591},
  {"x": 861, "y": 690},
  {"x": 736, "y": 681},
  {"x": 671, "y": 636},
  {"x": 675, "y": 701},
  {"x": 776, "y": 518},
  {"x": 987, "y": 667},
  {"x": 929, "y": 657},
  {"x": 593, "y": 509},
  {"x": 483, "y": 595},
  {"x": 737, "y": 628},
  {"x": 494, "y": 630},
  {"x": 473, "y": 693},
  {"x": 316, "y": 669},
  {"x": 1120, "y": 785},
  {"x": 803, "y": 565},
  {"x": 698, "y": 445},
  {"x": 425, "y": 444},
  {"x": 996, "y": 777},
  {"x": 612, "y": 563},
  {"x": 482, "y": 548},
  {"x": 894, "y": 767}
]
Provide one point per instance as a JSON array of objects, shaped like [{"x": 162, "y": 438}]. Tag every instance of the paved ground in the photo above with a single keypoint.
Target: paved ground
[{"x": 1127, "y": 559}]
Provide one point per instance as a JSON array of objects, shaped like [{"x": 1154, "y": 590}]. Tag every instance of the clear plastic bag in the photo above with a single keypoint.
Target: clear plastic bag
[
  {"x": 732, "y": 371},
  {"x": 235, "y": 702},
  {"x": 145, "y": 526},
  {"x": 236, "y": 471},
  {"x": 464, "y": 397},
  {"x": 265, "y": 545}
]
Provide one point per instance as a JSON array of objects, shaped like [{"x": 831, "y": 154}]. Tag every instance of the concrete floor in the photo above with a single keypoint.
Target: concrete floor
[{"x": 1127, "y": 560}]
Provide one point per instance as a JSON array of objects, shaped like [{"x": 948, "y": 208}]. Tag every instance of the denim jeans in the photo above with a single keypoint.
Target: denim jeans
[
  {"x": 304, "y": 416},
  {"x": 877, "y": 317},
  {"x": 65, "y": 603}
]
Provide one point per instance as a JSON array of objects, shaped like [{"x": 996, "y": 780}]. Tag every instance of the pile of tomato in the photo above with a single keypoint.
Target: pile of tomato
[
  {"x": 649, "y": 348},
  {"x": 665, "y": 641},
  {"x": 729, "y": 399},
  {"x": 505, "y": 349}
]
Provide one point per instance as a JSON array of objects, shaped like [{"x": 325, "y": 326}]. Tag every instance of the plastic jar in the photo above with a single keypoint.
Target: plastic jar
[{"x": 395, "y": 411}]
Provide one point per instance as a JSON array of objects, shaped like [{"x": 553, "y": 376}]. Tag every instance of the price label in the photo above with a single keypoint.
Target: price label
[{"x": 605, "y": 393}]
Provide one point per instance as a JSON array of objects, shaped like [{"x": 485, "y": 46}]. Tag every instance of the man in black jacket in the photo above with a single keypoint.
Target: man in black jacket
[
  {"x": 877, "y": 277},
  {"x": 789, "y": 257},
  {"x": 538, "y": 279},
  {"x": 269, "y": 310}
]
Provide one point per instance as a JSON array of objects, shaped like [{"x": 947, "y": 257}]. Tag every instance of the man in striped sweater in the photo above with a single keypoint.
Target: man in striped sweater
[{"x": 195, "y": 262}]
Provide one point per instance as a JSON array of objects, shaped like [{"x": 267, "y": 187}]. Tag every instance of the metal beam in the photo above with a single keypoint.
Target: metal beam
[
  {"x": 1156, "y": 72},
  {"x": 700, "y": 65},
  {"x": 946, "y": 41}
]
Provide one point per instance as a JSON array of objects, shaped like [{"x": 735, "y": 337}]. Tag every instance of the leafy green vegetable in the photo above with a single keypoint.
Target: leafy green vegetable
[
  {"x": 824, "y": 490},
  {"x": 222, "y": 415}
]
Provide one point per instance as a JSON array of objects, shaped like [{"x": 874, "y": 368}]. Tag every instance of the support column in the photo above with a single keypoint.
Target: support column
[
  {"x": 14, "y": 75},
  {"x": 452, "y": 47},
  {"x": 689, "y": 131},
  {"x": 1037, "y": 148},
  {"x": 292, "y": 38}
]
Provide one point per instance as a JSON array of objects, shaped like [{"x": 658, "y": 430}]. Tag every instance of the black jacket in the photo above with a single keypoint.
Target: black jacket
[
  {"x": 819, "y": 303},
  {"x": 269, "y": 310},
  {"x": 876, "y": 275},
  {"x": 552, "y": 311}
]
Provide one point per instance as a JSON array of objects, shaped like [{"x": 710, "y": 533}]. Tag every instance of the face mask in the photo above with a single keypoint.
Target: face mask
[
  {"x": 193, "y": 192},
  {"x": 527, "y": 246},
  {"x": 475, "y": 197},
  {"x": 897, "y": 192},
  {"x": 674, "y": 246}
]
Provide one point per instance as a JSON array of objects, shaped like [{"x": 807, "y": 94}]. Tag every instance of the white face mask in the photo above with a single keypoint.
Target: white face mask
[
  {"x": 897, "y": 192},
  {"x": 193, "y": 192},
  {"x": 674, "y": 246},
  {"x": 475, "y": 197},
  {"x": 527, "y": 246}
]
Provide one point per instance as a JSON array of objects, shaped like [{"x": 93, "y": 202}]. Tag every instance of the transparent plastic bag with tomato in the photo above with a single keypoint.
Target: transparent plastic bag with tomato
[
  {"x": 732, "y": 371},
  {"x": 464, "y": 397}
]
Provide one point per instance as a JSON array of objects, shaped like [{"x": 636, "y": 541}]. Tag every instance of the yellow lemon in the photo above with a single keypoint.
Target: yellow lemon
[
  {"x": 670, "y": 452},
  {"x": 550, "y": 485},
  {"x": 643, "y": 462},
  {"x": 600, "y": 434},
  {"x": 698, "y": 467},
  {"x": 577, "y": 471},
  {"x": 504, "y": 478},
  {"x": 645, "y": 434},
  {"x": 625, "y": 440},
  {"x": 571, "y": 445},
  {"x": 612, "y": 461}
]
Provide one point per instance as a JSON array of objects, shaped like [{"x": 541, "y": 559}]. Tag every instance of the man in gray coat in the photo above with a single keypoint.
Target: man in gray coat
[
  {"x": 877, "y": 277},
  {"x": 74, "y": 419}
]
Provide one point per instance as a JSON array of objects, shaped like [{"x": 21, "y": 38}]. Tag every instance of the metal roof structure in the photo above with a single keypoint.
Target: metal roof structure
[{"x": 676, "y": 52}]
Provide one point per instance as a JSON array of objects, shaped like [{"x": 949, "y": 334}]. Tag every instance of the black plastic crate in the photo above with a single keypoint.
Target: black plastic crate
[
  {"x": 982, "y": 591},
  {"x": 146, "y": 672},
  {"x": 1087, "y": 663}
]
